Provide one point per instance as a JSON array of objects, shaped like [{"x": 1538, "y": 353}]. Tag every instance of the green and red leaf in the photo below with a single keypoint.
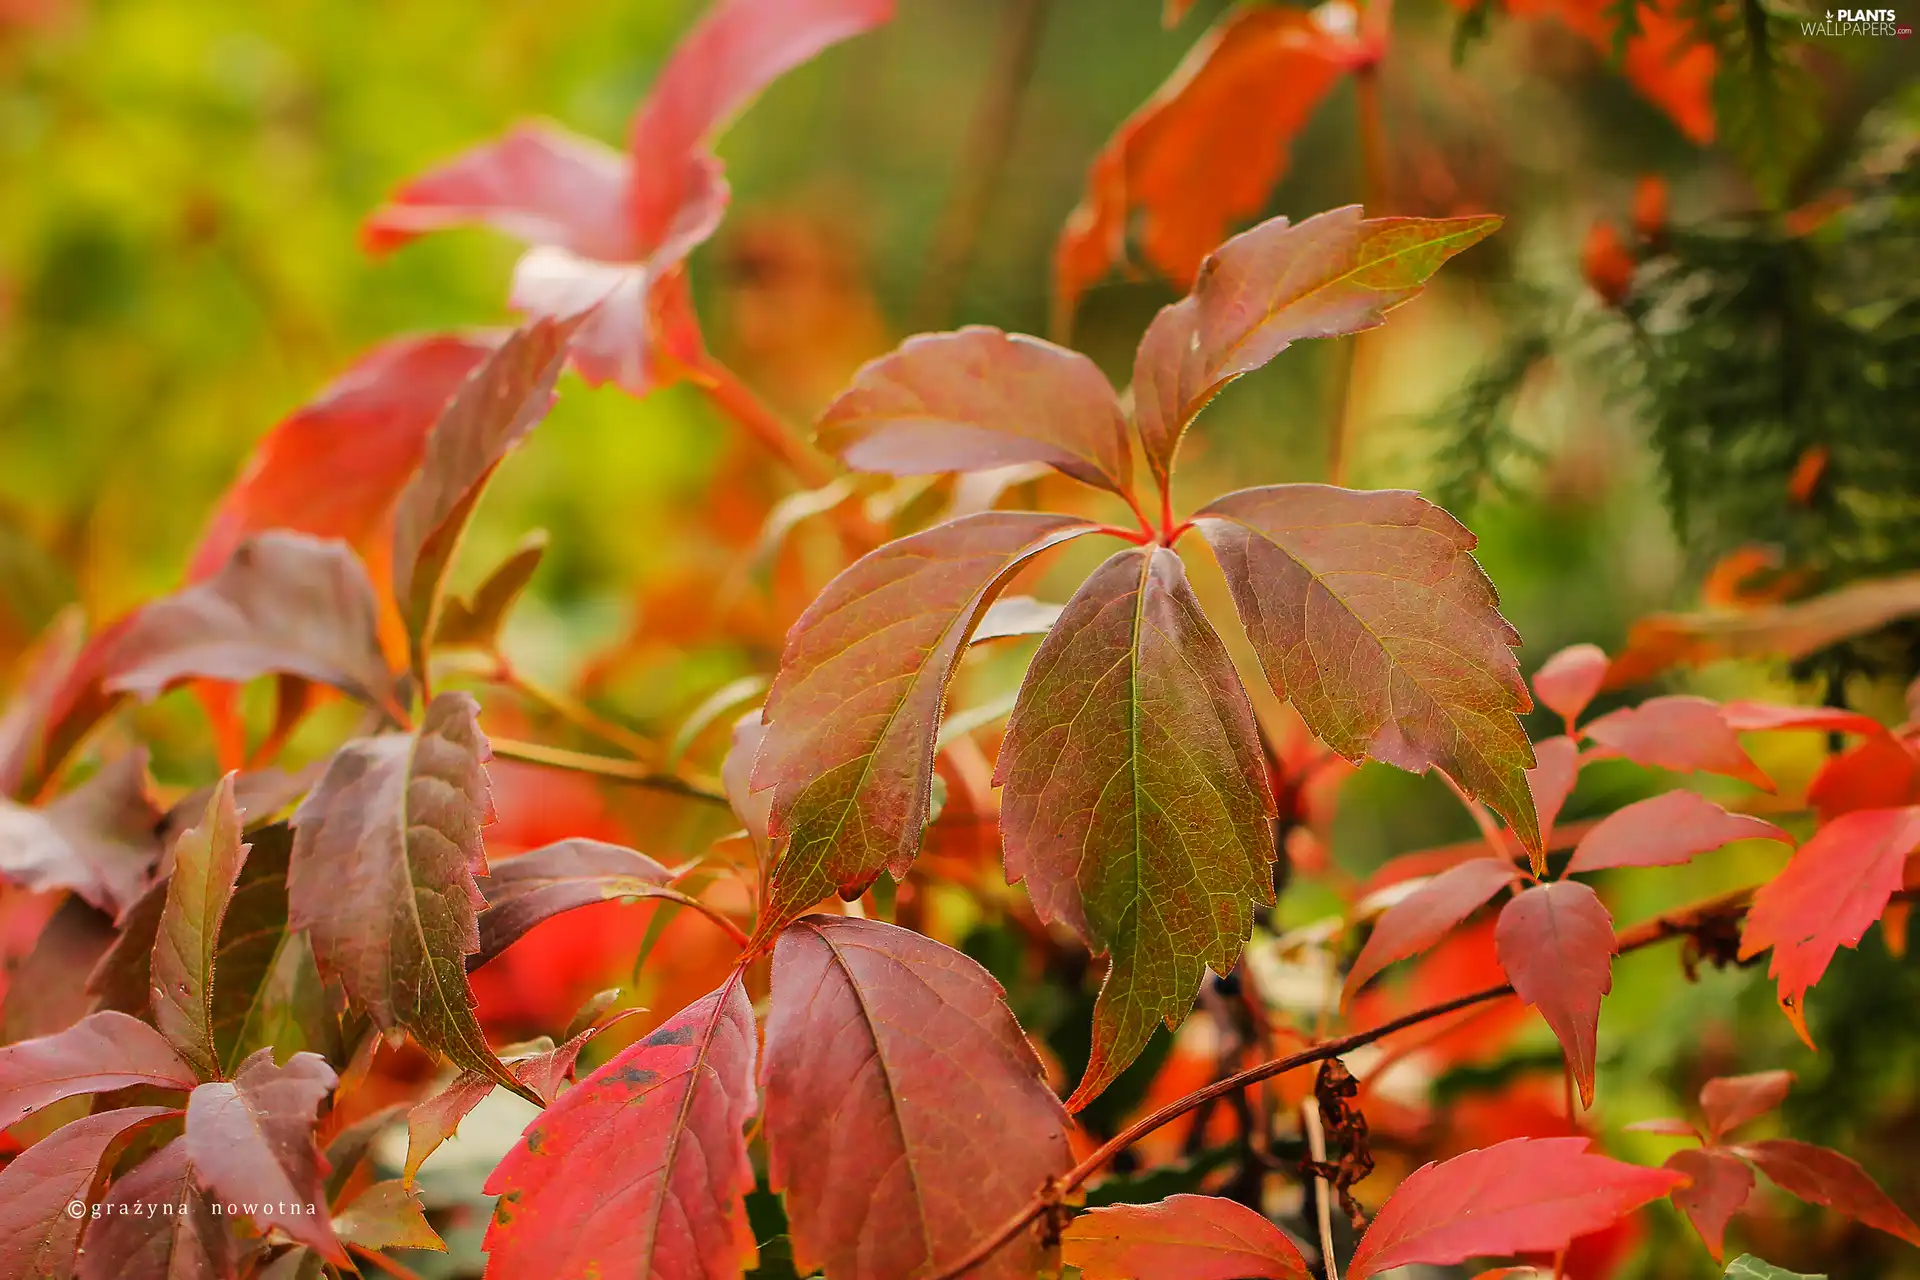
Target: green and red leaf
[{"x": 206, "y": 864}]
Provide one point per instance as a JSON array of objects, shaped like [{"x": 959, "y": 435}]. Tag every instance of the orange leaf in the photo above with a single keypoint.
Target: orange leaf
[{"x": 1184, "y": 1237}]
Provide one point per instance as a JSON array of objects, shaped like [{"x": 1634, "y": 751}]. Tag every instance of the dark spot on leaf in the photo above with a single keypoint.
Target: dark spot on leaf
[
  {"x": 671, "y": 1035},
  {"x": 637, "y": 1076}
]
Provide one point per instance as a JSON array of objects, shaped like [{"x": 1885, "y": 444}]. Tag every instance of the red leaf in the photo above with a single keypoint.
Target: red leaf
[
  {"x": 1666, "y": 830},
  {"x": 1136, "y": 805},
  {"x": 1556, "y": 944},
  {"x": 252, "y": 1141},
  {"x": 1837, "y": 884},
  {"x": 99, "y": 1053},
  {"x": 977, "y": 399},
  {"x": 1746, "y": 717},
  {"x": 1678, "y": 732},
  {"x": 1184, "y": 1237},
  {"x": 1169, "y": 384},
  {"x": 1883, "y": 772},
  {"x": 667, "y": 1115},
  {"x": 852, "y": 717},
  {"x": 1369, "y": 612},
  {"x": 1568, "y": 680},
  {"x": 1206, "y": 149},
  {"x": 98, "y": 840},
  {"x": 1721, "y": 1185},
  {"x": 1427, "y": 915},
  {"x": 1728, "y": 1102},
  {"x": 39, "y": 1239},
  {"x": 528, "y": 888},
  {"x": 1555, "y": 772},
  {"x": 1823, "y": 1177},
  {"x": 885, "y": 1051},
  {"x": 43, "y": 675},
  {"x": 159, "y": 1225},
  {"x": 206, "y": 863},
  {"x": 1529, "y": 1195}
]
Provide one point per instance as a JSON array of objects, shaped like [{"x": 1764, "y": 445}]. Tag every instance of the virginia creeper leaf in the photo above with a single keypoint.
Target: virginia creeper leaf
[
  {"x": 98, "y": 840},
  {"x": 884, "y": 1052},
  {"x": 1169, "y": 385},
  {"x": 43, "y": 674},
  {"x": 283, "y": 602},
  {"x": 206, "y": 863},
  {"x": 385, "y": 852},
  {"x": 976, "y": 399},
  {"x": 387, "y": 1215},
  {"x": 1721, "y": 1185},
  {"x": 1555, "y": 772},
  {"x": 1011, "y": 617},
  {"x": 1679, "y": 732},
  {"x": 1427, "y": 915},
  {"x": 1838, "y": 883},
  {"x": 251, "y": 1138},
  {"x": 667, "y": 1114},
  {"x": 100, "y": 1053},
  {"x": 1666, "y": 830},
  {"x": 853, "y": 715},
  {"x": 1184, "y": 1237},
  {"x": 1728, "y": 1102},
  {"x": 502, "y": 401},
  {"x": 1526, "y": 1195},
  {"x": 1556, "y": 943},
  {"x": 1370, "y": 613},
  {"x": 1136, "y": 805},
  {"x": 270, "y": 992},
  {"x": 1823, "y": 1177},
  {"x": 542, "y": 883},
  {"x": 39, "y": 1239},
  {"x": 1567, "y": 681},
  {"x": 47, "y": 989},
  {"x": 475, "y": 622},
  {"x": 157, "y": 1224},
  {"x": 122, "y": 978}
]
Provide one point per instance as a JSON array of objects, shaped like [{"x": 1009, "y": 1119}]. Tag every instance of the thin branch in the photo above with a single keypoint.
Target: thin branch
[
  {"x": 631, "y": 772},
  {"x": 1322, "y": 1189}
]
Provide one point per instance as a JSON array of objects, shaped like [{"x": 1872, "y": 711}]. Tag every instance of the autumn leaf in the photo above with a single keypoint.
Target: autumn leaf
[
  {"x": 121, "y": 979},
  {"x": 206, "y": 863},
  {"x": 1555, "y": 773},
  {"x": 474, "y": 621},
  {"x": 1556, "y": 943},
  {"x": 98, "y": 840},
  {"x": 667, "y": 1114},
  {"x": 1527, "y": 1195},
  {"x": 388, "y": 1215},
  {"x": 528, "y": 888},
  {"x": 1666, "y": 830},
  {"x": 1427, "y": 915},
  {"x": 1136, "y": 805},
  {"x": 1207, "y": 148},
  {"x": 1369, "y": 612},
  {"x": 1721, "y": 1183},
  {"x": 884, "y": 1052},
  {"x": 852, "y": 717},
  {"x": 183, "y": 1240},
  {"x": 1568, "y": 680},
  {"x": 1838, "y": 883},
  {"x": 385, "y": 853},
  {"x": 270, "y": 992},
  {"x": 1827, "y": 1178},
  {"x": 1184, "y": 1237},
  {"x": 1170, "y": 386},
  {"x": 505, "y": 398},
  {"x": 98, "y": 1054},
  {"x": 251, "y": 1139},
  {"x": 1728, "y": 1102},
  {"x": 1680, "y": 732},
  {"x": 39, "y": 1238},
  {"x": 42, "y": 681}
]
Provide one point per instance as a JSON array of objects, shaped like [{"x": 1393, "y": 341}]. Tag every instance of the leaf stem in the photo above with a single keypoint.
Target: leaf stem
[
  {"x": 1135, "y": 536},
  {"x": 632, "y": 772}
]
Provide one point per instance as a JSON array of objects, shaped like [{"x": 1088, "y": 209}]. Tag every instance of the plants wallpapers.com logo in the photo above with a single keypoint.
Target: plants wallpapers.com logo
[{"x": 1858, "y": 22}]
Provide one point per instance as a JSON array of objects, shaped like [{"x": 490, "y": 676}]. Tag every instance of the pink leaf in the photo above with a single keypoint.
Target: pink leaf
[
  {"x": 1568, "y": 680},
  {"x": 1666, "y": 830},
  {"x": 1823, "y": 1177},
  {"x": 1427, "y": 915},
  {"x": 100, "y": 1053},
  {"x": 1678, "y": 732},
  {"x": 1756, "y": 716},
  {"x": 98, "y": 840},
  {"x": 184, "y": 1240},
  {"x": 1184, "y": 1237},
  {"x": 1555, "y": 772},
  {"x": 1728, "y": 1102},
  {"x": 1721, "y": 1185},
  {"x": 39, "y": 1238},
  {"x": 1556, "y": 943}
]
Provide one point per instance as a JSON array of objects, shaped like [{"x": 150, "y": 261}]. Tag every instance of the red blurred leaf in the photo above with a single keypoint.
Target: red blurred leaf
[
  {"x": 385, "y": 852},
  {"x": 251, "y": 1139},
  {"x": 1666, "y": 830},
  {"x": 1529, "y": 1195},
  {"x": 1827, "y": 1178},
  {"x": 1207, "y": 148},
  {"x": 885, "y": 1050},
  {"x": 977, "y": 399},
  {"x": 1184, "y": 1237},
  {"x": 98, "y": 1054},
  {"x": 1650, "y": 206},
  {"x": 1721, "y": 1184},
  {"x": 1679, "y": 732},
  {"x": 1427, "y": 915},
  {"x": 39, "y": 1239},
  {"x": 1556, "y": 944},
  {"x": 528, "y": 888},
  {"x": 1607, "y": 266},
  {"x": 1747, "y": 717},
  {"x": 1837, "y": 884},
  {"x": 667, "y": 1114},
  {"x": 1728, "y": 1102},
  {"x": 158, "y": 1224},
  {"x": 1369, "y": 612},
  {"x": 1555, "y": 772},
  {"x": 493, "y": 411},
  {"x": 1883, "y": 772},
  {"x": 1135, "y": 803},
  {"x": 852, "y": 717},
  {"x": 206, "y": 865},
  {"x": 98, "y": 840},
  {"x": 1567, "y": 681},
  {"x": 43, "y": 675}
]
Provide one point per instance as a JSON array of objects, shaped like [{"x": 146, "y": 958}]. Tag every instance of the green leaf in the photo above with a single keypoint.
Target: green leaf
[
  {"x": 385, "y": 852},
  {"x": 1748, "y": 1267},
  {"x": 852, "y": 719},
  {"x": 1136, "y": 806},
  {"x": 1369, "y": 612},
  {"x": 270, "y": 993},
  {"x": 206, "y": 863}
]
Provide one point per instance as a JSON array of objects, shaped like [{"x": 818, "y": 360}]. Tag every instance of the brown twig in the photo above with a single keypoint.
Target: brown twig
[{"x": 631, "y": 772}]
